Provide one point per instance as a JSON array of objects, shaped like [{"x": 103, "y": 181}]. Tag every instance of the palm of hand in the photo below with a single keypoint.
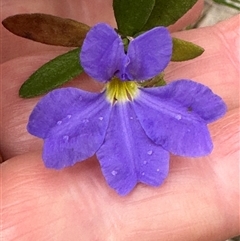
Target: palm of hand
[{"x": 197, "y": 201}]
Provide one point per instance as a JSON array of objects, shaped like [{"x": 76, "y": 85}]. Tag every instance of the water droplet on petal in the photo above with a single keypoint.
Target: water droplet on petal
[
  {"x": 143, "y": 173},
  {"x": 66, "y": 138},
  {"x": 145, "y": 162},
  {"x": 150, "y": 152},
  {"x": 80, "y": 98},
  {"x": 123, "y": 76},
  {"x": 69, "y": 116},
  {"x": 131, "y": 118},
  {"x": 59, "y": 122},
  {"x": 114, "y": 173},
  {"x": 158, "y": 170},
  {"x": 85, "y": 120},
  {"x": 178, "y": 117},
  {"x": 100, "y": 118}
]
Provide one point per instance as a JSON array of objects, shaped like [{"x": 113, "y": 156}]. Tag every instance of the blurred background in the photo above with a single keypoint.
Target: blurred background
[{"x": 217, "y": 10}]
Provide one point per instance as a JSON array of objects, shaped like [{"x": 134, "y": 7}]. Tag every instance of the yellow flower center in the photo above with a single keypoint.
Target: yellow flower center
[{"x": 122, "y": 91}]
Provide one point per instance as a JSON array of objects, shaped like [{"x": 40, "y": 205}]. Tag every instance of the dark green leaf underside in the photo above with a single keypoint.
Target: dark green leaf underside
[
  {"x": 167, "y": 12},
  {"x": 131, "y": 15},
  {"x": 184, "y": 50},
  {"x": 47, "y": 29},
  {"x": 52, "y": 74},
  {"x": 154, "y": 82}
]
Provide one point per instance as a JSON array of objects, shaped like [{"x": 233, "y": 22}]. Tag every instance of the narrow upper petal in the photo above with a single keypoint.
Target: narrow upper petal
[
  {"x": 72, "y": 123},
  {"x": 149, "y": 54},
  {"x": 127, "y": 155},
  {"x": 176, "y": 118},
  {"x": 102, "y": 52}
]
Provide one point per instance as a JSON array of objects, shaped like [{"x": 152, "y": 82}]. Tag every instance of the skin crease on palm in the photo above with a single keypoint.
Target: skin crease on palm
[{"x": 199, "y": 199}]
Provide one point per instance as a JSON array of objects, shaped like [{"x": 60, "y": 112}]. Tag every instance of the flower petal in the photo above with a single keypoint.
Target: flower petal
[
  {"x": 176, "y": 118},
  {"x": 127, "y": 155},
  {"x": 149, "y": 54},
  {"x": 72, "y": 122},
  {"x": 102, "y": 52},
  {"x": 197, "y": 98}
]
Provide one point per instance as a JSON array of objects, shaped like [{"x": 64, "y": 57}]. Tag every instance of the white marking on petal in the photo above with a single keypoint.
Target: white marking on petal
[
  {"x": 150, "y": 152},
  {"x": 114, "y": 173},
  {"x": 85, "y": 120},
  {"x": 66, "y": 138},
  {"x": 178, "y": 117}
]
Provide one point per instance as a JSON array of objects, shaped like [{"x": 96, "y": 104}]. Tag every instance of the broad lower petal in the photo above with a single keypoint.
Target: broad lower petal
[
  {"x": 195, "y": 97},
  {"x": 149, "y": 54},
  {"x": 171, "y": 124},
  {"x": 72, "y": 123},
  {"x": 102, "y": 52},
  {"x": 128, "y": 156}
]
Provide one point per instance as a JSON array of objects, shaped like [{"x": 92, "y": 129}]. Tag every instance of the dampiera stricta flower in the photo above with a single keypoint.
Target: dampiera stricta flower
[{"x": 131, "y": 129}]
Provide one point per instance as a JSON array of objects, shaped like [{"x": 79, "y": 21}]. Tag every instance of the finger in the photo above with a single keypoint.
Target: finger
[
  {"x": 218, "y": 66},
  {"x": 198, "y": 200}
]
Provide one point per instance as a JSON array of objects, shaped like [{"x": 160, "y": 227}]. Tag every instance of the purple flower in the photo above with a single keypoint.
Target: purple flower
[{"x": 131, "y": 130}]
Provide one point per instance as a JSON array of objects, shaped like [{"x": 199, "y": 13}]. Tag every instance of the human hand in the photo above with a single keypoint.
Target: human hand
[{"x": 199, "y": 199}]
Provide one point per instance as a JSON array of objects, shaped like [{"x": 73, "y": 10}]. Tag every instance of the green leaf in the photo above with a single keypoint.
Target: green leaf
[
  {"x": 52, "y": 74},
  {"x": 47, "y": 29},
  {"x": 131, "y": 15},
  {"x": 167, "y": 12},
  {"x": 184, "y": 50},
  {"x": 154, "y": 82}
]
